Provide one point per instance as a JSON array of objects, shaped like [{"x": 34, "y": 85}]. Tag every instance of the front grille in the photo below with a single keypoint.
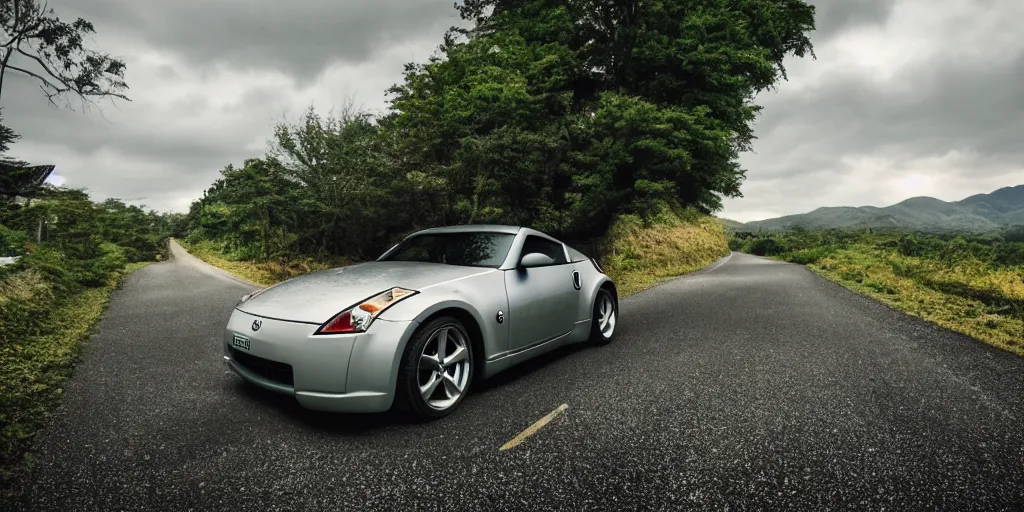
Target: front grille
[{"x": 270, "y": 370}]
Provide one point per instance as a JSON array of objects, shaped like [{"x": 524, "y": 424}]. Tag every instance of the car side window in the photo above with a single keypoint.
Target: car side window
[{"x": 546, "y": 247}]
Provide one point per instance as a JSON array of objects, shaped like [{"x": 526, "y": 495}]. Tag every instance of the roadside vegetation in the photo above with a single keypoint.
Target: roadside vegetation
[
  {"x": 615, "y": 126},
  {"x": 600, "y": 124},
  {"x": 259, "y": 271},
  {"x": 61, "y": 254},
  {"x": 71, "y": 253},
  {"x": 970, "y": 283},
  {"x": 638, "y": 256}
]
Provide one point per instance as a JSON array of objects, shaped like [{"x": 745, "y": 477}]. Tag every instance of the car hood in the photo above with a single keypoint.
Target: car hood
[{"x": 318, "y": 296}]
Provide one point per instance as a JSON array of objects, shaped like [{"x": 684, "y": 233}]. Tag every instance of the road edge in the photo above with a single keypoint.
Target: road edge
[
  {"x": 178, "y": 253},
  {"x": 710, "y": 267}
]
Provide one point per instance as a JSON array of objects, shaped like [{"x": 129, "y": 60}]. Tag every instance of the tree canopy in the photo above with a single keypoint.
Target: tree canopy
[
  {"x": 558, "y": 115},
  {"x": 37, "y": 44}
]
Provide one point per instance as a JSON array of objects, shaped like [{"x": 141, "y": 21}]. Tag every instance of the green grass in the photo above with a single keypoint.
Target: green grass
[
  {"x": 33, "y": 372},
  {"x": 969, "y": 298},
  {"x": 261, "y": 273},
  {"x": 639, "y": 256},
  {"x": 971, "y": 284}
]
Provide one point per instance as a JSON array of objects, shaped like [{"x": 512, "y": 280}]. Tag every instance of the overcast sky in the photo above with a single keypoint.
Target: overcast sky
[{"x": 906, "y": 97}]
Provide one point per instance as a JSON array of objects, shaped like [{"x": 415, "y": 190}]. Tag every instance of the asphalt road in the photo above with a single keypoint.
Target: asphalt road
[{"x": 752, "y": 385}]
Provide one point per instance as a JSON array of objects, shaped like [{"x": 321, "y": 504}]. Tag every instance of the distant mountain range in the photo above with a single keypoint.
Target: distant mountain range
[{"x": 978, "y": 213}]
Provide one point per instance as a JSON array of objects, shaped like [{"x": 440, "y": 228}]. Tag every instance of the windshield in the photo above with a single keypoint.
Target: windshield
[{"x": 465, "y": 249}]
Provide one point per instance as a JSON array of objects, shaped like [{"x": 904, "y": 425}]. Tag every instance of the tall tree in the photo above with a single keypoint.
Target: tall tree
[
  {"x": 562, "y": 113},
  {"x": 37, "y": 44}
]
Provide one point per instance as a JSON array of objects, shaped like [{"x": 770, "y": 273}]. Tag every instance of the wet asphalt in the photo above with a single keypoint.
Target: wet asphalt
[{"x": 751, "y": 385}]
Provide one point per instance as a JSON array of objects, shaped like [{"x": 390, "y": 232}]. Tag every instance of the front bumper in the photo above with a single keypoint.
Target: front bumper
[{"x": 335, "y": 373}]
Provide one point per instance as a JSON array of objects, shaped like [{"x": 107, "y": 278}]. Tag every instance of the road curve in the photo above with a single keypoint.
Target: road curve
[{"x": 755, "y": 384}]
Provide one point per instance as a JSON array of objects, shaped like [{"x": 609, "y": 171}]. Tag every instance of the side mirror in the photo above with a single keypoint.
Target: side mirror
[{"x": 536, "y": 259}]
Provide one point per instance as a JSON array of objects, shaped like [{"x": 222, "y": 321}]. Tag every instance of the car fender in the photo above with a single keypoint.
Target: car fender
[
  {"x": 590, "y": 282},
  {"x": 482, "y": 297}
]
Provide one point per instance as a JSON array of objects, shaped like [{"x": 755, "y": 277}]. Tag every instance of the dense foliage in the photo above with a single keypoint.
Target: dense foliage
[
  {"x": 971, "y": 283},
  {"x": 69, "y": 250},
  {"x": 556, "y": 115},
  {"x": 65, "y": 243},
  {"x": 998, "y": 249}
]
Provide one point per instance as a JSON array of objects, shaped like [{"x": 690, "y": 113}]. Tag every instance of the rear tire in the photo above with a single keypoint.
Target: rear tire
[
  {"x": 431, "y": 387},
  {"x": 604, "y": 318}
]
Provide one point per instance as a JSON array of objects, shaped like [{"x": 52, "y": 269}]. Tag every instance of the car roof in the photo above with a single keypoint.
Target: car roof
[{"x": 474, "y": 228}]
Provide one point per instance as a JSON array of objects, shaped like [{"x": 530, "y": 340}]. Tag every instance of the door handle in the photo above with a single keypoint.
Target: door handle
[{"x": 576, "y": 283}]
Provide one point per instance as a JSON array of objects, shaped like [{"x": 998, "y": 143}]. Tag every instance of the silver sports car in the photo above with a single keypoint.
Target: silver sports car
[{"x": 416, "y": 327}]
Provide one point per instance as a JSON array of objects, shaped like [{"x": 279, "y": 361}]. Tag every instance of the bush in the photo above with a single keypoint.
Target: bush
[
  {"x": 909, "y": 246},
  {"x": 53, "y": 265},
  {"x": 809, "y": 256},
  {"x": 12, "y": 243},
  {"x": 96, "y": 271},
  {"x": 765, "y": 247},
  {"x": 25, "y": 299}
]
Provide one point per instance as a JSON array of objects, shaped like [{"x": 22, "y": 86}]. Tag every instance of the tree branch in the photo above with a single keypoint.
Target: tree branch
[
  {"x": 42, "y": 64},
  {"x": 3, "y": 68},
  {"x": 41, "y": 79},
  {"x": 66, "y": 66},
  {"x": 19, "y": 35}
]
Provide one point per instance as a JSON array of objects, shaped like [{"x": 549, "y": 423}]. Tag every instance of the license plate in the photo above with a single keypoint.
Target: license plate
[{"x": 240, "y": 342}]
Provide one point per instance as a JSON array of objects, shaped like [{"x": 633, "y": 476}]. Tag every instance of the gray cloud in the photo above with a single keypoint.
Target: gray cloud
[
  {"x": 298, "y": 37},
  {"x": 834, "y": 16},
  {"x": 902, "y": 92},
  {"x": 208, "y": 79},
  {"x": 152, "y": 137},
  {"x": 967, "y": 105},
  {"x": 892, "y": 108}
]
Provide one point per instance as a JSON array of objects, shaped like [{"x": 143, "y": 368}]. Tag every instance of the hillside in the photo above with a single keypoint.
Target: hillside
[{"x": 977, "y": 213}]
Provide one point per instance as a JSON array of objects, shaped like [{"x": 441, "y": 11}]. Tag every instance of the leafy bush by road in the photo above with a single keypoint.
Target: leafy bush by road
[
  {"x": 71, "y": 252},
  {"x": 636, "y": 254},
  {"x": 639, "y": 255}
]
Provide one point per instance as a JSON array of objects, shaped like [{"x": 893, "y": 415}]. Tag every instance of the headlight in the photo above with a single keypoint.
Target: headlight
[{"x": 359, "y": 317}]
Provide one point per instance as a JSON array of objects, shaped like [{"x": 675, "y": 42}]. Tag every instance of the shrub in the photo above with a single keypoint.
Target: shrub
[
  {"x": 96, "y": 271},
  {"x": 25, "y": 299},
  {"x": 53, "y": 265},
  {"x": 765, "y": 247},
  {"x": 809, "y": 256},
  {"x": 909, "y": 246},
  {"x": 12, "y": 243}
]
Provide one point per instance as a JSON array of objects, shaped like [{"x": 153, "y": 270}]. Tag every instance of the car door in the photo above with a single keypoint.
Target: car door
[{"x": 543, "y": 300}]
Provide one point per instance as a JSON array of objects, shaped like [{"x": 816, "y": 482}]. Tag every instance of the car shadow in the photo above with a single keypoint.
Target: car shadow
[
  {"x": 336, "y": 423},
  {"x": 363, "y": 423},
  {"x": 528, "y": 368}
]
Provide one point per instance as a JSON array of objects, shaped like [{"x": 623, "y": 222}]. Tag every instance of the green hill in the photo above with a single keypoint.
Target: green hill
[{"x": 978, "y": 213}]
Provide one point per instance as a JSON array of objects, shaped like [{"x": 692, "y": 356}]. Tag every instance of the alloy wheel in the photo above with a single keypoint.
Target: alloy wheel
[
  {"x": 444, "y": 368},
  {"x": 606, "y": 315}
]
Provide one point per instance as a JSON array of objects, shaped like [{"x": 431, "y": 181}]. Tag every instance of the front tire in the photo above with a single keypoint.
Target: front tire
[
  {"x": 604, "y": 318},
  {"x": 436, "y": 370}
]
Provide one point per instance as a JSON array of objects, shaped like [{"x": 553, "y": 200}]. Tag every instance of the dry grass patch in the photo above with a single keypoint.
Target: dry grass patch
[
  {"x": 263, "y": 273},
  {"x": 970, "y": 298},
  {"x": 639, "y": 256}
]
